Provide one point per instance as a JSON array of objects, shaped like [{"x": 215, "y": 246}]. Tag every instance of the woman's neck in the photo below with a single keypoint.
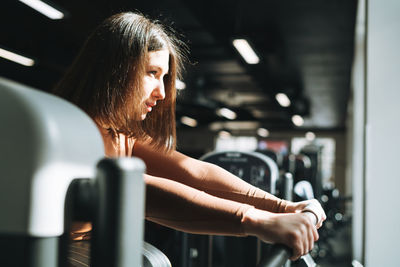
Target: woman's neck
[{"x": 118, "y": 145}]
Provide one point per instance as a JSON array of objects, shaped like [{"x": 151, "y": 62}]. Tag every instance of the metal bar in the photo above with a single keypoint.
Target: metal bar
[{"x": 118, "y": 221}]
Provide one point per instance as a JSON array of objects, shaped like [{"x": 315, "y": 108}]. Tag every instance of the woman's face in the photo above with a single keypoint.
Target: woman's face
[{"x": 153, "y": 81}]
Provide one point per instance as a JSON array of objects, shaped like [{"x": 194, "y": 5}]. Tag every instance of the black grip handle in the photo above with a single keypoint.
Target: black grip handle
[
  {"x": 118, "y": 220},
  {"x": 278, "y": 256}
]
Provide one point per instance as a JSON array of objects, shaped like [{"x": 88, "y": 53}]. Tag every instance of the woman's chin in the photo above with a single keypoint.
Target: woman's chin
[{"x": 143, "y": 116}]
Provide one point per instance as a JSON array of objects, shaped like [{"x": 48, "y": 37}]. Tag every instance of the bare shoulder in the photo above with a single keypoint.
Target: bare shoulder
[{"x": 146, "y": 149}]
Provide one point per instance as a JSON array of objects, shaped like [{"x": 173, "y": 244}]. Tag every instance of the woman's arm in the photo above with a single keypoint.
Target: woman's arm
[
  {"x": 216, "y": 181},
  {"x": 187, "y": 209},
  {"x": 206, "y": 177}
]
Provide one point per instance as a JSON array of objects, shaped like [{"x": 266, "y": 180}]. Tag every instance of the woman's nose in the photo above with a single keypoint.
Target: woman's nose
[{"x": 159, "y": 91}]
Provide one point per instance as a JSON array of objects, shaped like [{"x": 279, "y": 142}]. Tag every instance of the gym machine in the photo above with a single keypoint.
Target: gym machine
[
  {"x": 53, "y": 171},
  {"x": 258, "y": 170}
]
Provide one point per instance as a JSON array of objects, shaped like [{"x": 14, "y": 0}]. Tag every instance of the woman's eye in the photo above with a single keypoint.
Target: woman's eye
[{"x": 153, "y": 73}]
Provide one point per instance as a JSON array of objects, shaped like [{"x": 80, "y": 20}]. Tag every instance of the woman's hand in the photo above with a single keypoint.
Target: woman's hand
[
  {"x": 311, "y": 205},
  {"x": 295, "y": 230}
]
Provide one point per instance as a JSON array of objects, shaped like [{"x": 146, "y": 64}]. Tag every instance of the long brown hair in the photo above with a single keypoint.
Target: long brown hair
[{"x": 107, "y": 74}]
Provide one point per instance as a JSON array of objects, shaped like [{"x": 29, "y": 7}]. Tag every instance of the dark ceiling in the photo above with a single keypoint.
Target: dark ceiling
[{"x": 305, "y": 46}]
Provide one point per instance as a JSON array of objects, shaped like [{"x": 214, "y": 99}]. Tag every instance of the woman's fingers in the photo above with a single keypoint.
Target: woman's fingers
[
  {"x": 315, "y": 234},
  {"x": 298, "y": 251},
  {"x": 304, "y": 237},
  {"x": 312, "y": 234},
  {"x": 295, "y": 230},
  {"x": 312, "y": 205}
]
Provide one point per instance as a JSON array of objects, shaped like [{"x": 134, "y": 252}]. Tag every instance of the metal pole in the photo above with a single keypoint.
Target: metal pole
[{"x": 118, "y": 221}]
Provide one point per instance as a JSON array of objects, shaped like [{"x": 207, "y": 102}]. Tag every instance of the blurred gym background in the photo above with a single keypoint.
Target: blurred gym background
[{"x": 318, "y": 95}]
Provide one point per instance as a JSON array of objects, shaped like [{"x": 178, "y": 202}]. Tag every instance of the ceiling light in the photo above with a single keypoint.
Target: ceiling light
[
  {"x": 44, "y": 8},
  {"x": 180, "y": 85},
  {"x": 282, "y": 99},
  {"x": 310, "y": 136},
  {"x": 226, "y": 113},
  {"x": 16, "y": 58},
  {"x": 245, "y": 50},
  {"x": 189, "y": 121},
  {"x": 297, "y": 120},
  {"x": 262, "y": 132}
]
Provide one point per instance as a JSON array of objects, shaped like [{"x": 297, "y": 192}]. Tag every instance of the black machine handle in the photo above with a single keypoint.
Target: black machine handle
[
  {"x": 279, "y": 254},
  {"x": 118, "y": 184},
  {"x": 114, "y": 202}
]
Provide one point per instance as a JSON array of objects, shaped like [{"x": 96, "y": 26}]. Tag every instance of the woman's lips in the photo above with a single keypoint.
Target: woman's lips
[{"x": 150, "y": 107}]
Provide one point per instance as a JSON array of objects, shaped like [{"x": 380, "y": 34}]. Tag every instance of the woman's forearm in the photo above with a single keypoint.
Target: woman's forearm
[
  {"x": 222, "y": 183},
  {"x": 187, "y": 209},
  {"x": 206, "y": 177}
]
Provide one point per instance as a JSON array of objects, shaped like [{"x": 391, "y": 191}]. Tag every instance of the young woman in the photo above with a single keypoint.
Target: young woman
[{"x": 124, "y": 78}]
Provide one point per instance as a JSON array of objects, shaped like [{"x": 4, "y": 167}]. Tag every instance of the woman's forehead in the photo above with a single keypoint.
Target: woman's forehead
[{"x": 160, "y": 59}]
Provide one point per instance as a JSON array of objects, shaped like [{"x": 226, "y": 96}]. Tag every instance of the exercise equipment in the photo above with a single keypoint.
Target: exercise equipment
[
  {"x": 114, "y": 203},
  {"x": 277, "y": 157},
  {"x": 314, "y": 153},
  {"x": 278, "y": 255},
  {"x": 299, "y": 165},
  {"x": 46, "y": 143},
  {"x": 51, "y": 150},
  {"x": 253, "y": 167},
  {"x": 199, "y": 250}
]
